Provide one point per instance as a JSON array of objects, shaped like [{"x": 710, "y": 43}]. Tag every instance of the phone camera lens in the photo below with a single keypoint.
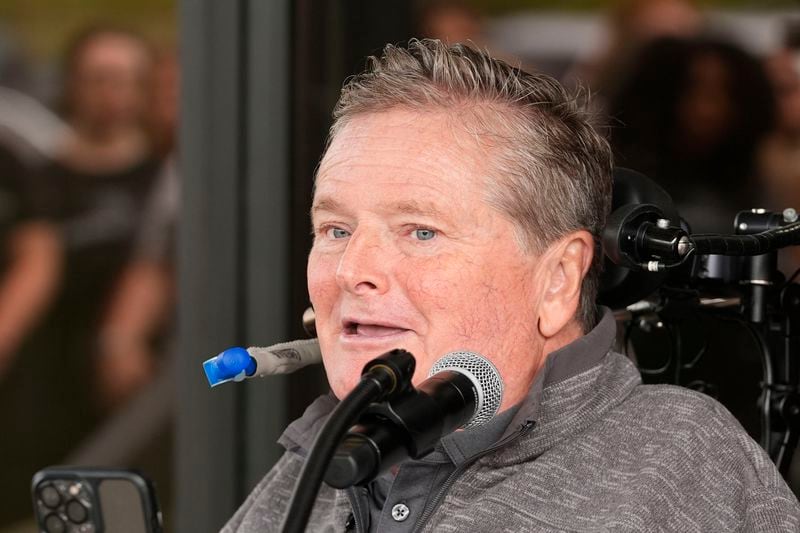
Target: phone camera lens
[
  {"x": 50, "y": 496},
  {"x": 76, "y": 512},
  {"x": 54, "y": 524}
]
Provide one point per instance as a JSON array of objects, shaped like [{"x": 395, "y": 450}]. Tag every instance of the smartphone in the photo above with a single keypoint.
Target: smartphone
[{"x": 94, "y": 500}]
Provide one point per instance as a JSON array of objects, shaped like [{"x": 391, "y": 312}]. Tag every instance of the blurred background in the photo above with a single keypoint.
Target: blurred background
[{"x": 134, "y": 244}]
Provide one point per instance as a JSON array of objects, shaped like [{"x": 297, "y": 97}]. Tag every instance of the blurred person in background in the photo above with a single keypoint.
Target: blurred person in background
[
  {"x": 30, "y": 260},
  {"x": 162, "y": 118},
  {"x": 781, "y": 154},
  {"x": 30, "y": 270},
  {"x": 30, "y": 255},
  {"x": 99, "y": 182},
  {"x": 94, "y": 191},
  {"x": 693, "y": 114},
  {"x": 135, "y": 326}
]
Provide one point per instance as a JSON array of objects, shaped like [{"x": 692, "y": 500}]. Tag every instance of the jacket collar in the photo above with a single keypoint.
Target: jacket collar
[
  {"x": 300, "y": 434},
  {"x": 578, "y": 356},
  {"x": 577, "y": 386}
]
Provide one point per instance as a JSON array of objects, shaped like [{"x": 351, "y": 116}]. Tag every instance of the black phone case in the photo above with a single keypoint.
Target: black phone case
[{"x": 66, "y": 478}]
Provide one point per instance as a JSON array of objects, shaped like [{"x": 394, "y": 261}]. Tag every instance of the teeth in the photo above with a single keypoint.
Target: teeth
[{"x": 377, "y": 331}]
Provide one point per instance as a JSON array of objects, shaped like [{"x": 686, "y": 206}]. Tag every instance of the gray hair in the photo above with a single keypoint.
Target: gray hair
[{"x": 553, "y": 169}]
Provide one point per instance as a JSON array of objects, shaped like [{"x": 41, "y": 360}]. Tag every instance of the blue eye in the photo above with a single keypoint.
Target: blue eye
[
  {"x": 424, "y": 234},
  {"x": 338, "y": 233}
]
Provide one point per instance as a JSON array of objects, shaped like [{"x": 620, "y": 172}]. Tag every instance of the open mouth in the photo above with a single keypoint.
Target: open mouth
[{"x": 360, "y": 329}]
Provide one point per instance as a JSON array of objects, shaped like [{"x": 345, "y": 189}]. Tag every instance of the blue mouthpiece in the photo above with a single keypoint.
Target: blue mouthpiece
[{"x": 234, "y": 364}]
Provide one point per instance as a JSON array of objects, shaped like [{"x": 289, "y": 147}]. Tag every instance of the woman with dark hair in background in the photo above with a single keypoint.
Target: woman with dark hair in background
[
  {"x": 630, "y": 26},
  {"x": 692, "y": 114}
]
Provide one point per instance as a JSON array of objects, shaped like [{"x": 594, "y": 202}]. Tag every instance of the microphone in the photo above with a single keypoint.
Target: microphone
[
  {"x": 463, "y": 390},
  {"x": 236, "y": 364}
]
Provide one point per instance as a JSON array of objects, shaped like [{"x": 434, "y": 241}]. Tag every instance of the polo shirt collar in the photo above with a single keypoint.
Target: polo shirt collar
[{"x": 576, "y": 357}]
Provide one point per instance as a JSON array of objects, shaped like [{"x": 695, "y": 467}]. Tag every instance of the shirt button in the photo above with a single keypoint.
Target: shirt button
[{"x": 400, "y": 512}]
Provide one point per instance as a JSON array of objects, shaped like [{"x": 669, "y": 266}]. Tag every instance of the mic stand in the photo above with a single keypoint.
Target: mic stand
[{"x": 381, "y": 379}]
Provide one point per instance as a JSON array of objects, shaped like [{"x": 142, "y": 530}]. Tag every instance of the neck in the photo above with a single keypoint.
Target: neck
[
  {"x": 519, "y": 384},
  {"x": 105, "y": 134},
  {"x": 568, "y": 334}
]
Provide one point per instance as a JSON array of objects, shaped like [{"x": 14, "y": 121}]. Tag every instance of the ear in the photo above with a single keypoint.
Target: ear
[{"x": 567, "y": 261}]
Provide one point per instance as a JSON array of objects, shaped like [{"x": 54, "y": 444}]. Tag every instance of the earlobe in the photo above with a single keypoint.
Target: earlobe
[{"x": 569, "y": 262}]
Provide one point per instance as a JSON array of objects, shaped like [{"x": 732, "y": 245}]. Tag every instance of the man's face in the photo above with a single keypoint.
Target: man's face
[
  {"x": 108, "y": 86},
  {"x": 408, "y": 254}
]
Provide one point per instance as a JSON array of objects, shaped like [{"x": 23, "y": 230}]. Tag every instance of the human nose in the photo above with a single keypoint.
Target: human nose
[{"x": 362, "y": 268}]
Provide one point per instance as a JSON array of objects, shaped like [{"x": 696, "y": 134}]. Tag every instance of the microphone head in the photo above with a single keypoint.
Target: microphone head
[{"x": 485, "y": 378}]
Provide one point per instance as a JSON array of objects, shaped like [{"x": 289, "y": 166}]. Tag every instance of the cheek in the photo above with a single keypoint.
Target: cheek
[
  {"x": 323, "y": 293},
  {"x": 481, "y": 307},
  {"x": 454, "y": 295},
  {"x": 321, "y": 275},
  {"x": 322, "y": 289},
  {"x": 430, "y": 287}
]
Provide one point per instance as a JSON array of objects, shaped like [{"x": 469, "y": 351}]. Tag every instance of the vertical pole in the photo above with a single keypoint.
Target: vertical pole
[
  {"x": 232, "y": 247},
  {"x": 267, "y": 225}
]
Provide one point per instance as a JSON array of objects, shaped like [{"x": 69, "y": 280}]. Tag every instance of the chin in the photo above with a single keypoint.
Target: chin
[
  {"x": 342, "y": 377},
  {"x": 341, "y": 387},
  {"x": 343, "y": 365}
]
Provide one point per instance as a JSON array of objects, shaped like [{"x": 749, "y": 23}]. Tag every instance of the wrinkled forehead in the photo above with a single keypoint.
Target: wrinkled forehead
[
  {"x": 435, "y": 165},
  {"x": 445, "y": 143}
]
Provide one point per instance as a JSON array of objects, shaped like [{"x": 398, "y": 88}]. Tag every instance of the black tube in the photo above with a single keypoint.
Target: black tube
[
  {"x": 380, "y": 380},
  {"x": 757, "y": 244},
  {"x": 789, "y": 411},
  {"x": 766, "y": 386},
  {"x": 408, "y": 426}
]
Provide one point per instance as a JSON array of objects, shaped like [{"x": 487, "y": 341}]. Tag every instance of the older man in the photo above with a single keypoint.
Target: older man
[{"x": 457, "y": 207}]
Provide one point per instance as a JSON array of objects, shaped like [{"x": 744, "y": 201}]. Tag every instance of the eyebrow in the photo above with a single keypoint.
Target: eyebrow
[
  {"x": 406, "y": 207},
  {"x": 414, "y": 207},
  {"x": 326, "y": 204}
]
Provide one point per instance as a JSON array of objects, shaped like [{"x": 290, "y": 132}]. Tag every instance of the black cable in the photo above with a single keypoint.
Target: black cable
[
  {"x": 756, "y": 244},
  {"x": 677, "y": 350},
  {"x": 626, "y": 338},
  {"x": 669, "y": 266},
  {"x": 307, "y": 486},
  {"x": 767, "y": 385},
  {"x": 697, "y": 356},
  {"x": 792, "y": 278}
]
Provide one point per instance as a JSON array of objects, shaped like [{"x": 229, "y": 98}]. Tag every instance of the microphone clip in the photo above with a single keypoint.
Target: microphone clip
[
  {"x": 407, "y": 426},
  {"x": 639, "y": 236}
]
